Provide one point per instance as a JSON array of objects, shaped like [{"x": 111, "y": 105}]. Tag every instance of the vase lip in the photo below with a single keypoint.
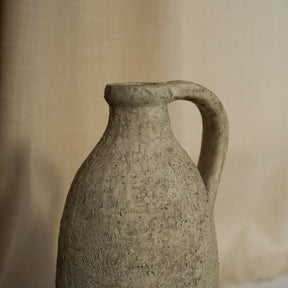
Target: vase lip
[
  {"x": 148, "y": 84},
  {"x": 137, "y": 84},
  {"x": 137, "y": 94}
]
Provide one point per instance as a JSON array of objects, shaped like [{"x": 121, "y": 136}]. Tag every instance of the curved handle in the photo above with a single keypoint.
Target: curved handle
[{"x": 215, "y": 131}]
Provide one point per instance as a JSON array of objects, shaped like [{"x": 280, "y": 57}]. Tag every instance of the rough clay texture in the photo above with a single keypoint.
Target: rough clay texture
[{"x": 138, "y": 213}]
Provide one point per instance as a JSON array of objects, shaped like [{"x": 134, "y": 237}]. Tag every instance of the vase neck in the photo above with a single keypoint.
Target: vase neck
[
  {"x": 139, "y": 111},
  {"x": 138, "y": 123}
]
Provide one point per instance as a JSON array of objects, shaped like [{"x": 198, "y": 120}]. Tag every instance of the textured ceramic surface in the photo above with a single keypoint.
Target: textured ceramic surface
[{"x": 139, "y": 213}]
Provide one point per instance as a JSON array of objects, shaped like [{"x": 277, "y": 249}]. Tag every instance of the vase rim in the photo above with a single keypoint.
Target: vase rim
[
  {"x": 135, "y": 94},
  {"x": 121, "y": 84}
]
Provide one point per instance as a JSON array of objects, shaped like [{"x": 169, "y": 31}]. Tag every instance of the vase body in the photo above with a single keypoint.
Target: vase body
[{"x": 139, "y": 213}]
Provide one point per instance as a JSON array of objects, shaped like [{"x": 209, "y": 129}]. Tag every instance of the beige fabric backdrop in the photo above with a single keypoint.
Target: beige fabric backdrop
[{"x": 57, "y": 56}]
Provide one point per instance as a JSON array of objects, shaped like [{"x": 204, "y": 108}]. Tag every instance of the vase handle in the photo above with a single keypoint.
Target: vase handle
[{"x": 215, "y": 131}]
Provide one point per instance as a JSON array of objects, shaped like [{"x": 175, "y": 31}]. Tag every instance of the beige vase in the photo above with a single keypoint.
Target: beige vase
[{"x": 139, "y": 213}]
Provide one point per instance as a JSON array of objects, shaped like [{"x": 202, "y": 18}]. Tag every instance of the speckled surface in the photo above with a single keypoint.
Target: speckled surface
[{"x": 139, "y": 213}]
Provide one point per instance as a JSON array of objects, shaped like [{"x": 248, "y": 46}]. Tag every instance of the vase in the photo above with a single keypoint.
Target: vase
[{"x": 139, "y": 213}]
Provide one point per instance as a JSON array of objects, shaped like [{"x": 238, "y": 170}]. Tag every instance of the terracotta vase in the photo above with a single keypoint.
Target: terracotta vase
[{"x": 139, "y": 213}]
